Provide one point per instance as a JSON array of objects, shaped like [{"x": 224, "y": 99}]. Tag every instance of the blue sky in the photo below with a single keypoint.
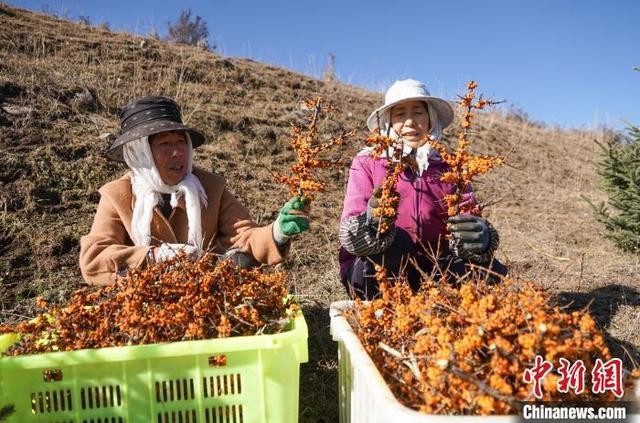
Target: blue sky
[{"x": 567, "y": 63}]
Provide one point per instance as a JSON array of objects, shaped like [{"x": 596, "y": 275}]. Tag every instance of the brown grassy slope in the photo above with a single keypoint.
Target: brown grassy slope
[{"x": 62, "y": 84}]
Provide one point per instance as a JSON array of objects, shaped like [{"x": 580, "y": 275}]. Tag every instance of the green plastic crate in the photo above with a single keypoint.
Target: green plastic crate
[{"x": 176, "y": 382}]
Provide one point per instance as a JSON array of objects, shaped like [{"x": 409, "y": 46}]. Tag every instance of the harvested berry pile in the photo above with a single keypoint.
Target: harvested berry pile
[
  {"x": 176, "y": 300},
  {"x": 464, "y": 350}
]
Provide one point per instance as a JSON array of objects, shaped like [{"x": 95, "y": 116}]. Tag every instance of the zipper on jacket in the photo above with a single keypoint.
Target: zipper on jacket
[
  {"x": 415, "y": 183},
  {"x": 418, "y": 199}
]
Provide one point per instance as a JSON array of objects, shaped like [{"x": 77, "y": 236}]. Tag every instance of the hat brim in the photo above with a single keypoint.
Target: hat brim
[
  {"x": 114, "y": 152},
  {"x": 442, "y": 107}
]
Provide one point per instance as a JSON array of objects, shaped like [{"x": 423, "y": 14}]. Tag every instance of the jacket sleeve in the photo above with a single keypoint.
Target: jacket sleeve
[
  {"x": 356, "y": 235},
  {"x": 359, "y": 239},
  {"x": 359, "y": 188},
  {"x": 236, "y": 229},
  {"x": 107, "y": 249}
]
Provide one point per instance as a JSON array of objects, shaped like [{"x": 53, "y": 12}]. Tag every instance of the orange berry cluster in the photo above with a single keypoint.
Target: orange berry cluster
[
  {"x": 380, "y": 143},
  {"x": 464, "y": 166},
  {"x": 389, "y": 198},
  {"x": 176, "y": 300},
  {"x": 464, "y": 349},
  {"x": 304, "y": 182}
]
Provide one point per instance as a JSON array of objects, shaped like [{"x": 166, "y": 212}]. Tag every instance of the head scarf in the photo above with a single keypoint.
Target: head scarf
[
  {"x": 423, "y": 153},
  {"x": 147, "y": 186}
]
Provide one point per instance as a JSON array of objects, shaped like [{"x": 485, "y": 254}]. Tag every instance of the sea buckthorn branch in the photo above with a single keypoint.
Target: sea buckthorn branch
[
  {"x": 465, "y": 166},
  {"x": 389, "y": 197},
  {"x": 380, "y": 143},
  {"x": 175, "y": 300},
  {"x": 411, "y": 362},
  {"x": 308, "y": 150}
]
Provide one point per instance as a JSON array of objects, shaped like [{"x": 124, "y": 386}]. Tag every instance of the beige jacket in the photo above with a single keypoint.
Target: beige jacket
[{"x": 108, "y": 249}]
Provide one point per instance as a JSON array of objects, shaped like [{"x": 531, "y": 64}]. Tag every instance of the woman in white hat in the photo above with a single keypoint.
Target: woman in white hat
[
  {"x": 410, "y": 115},
  {"x": 165, "y": 205}
]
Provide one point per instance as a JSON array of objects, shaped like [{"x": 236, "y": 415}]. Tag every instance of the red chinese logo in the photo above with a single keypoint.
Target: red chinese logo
[
  {"x": 604, "y": 376},
  {"x": 571, "y": 376},
  {"x": 536, "y": 374},
  {"x": 607, "y": 377}
]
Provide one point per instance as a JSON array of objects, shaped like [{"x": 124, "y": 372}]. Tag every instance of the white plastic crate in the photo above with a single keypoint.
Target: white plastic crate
[{"x": 365, "y": 396}]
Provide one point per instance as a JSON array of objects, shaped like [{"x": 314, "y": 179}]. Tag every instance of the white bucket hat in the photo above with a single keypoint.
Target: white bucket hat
[{"x": 409, "y": 90}]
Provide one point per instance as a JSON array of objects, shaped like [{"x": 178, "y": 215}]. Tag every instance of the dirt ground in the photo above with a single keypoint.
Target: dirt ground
[{"x": 62, "y": 84}]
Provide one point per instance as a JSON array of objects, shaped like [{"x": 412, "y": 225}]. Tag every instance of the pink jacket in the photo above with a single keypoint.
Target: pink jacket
[{"x": 421, "y": 212}]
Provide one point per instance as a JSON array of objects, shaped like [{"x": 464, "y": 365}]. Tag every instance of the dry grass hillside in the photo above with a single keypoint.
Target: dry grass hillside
[{"x": 62, "y": 84}]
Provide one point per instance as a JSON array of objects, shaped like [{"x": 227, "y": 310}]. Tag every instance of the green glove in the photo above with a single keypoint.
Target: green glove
[{"x": 292, "y": 220}]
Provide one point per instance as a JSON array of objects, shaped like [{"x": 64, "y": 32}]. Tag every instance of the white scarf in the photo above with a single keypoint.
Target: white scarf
[
  {"x": 147, "y": 186},
  {"x": 423, "y": 153}
]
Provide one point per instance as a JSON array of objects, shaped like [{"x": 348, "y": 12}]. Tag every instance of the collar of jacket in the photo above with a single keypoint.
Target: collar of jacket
[
  {"x": 181, "y": 202},
  {"x": 424, "y": 156}
]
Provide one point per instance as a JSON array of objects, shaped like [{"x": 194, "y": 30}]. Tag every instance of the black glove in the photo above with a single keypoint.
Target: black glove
[
  {"x": 470, "y": 233},
  {"x": 373, "y": 203}
]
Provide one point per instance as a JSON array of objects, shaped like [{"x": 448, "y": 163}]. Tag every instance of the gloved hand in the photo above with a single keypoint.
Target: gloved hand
[
  {"x": 167, "y": 251},
  {"x": 373, "y": 203},
  {"x": 470, "y": 233},
  {"x": 292, "y": 220}
]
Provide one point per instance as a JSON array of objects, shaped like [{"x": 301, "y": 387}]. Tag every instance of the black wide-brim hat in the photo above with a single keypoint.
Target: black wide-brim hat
[{"x": 148, "y": 116}]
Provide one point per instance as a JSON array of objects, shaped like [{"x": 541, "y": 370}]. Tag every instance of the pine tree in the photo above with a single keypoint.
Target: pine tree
[{"x": 620, "y": 171}]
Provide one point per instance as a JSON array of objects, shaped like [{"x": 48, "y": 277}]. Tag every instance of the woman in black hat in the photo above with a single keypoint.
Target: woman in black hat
[{"x": 164, "y": 205}]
